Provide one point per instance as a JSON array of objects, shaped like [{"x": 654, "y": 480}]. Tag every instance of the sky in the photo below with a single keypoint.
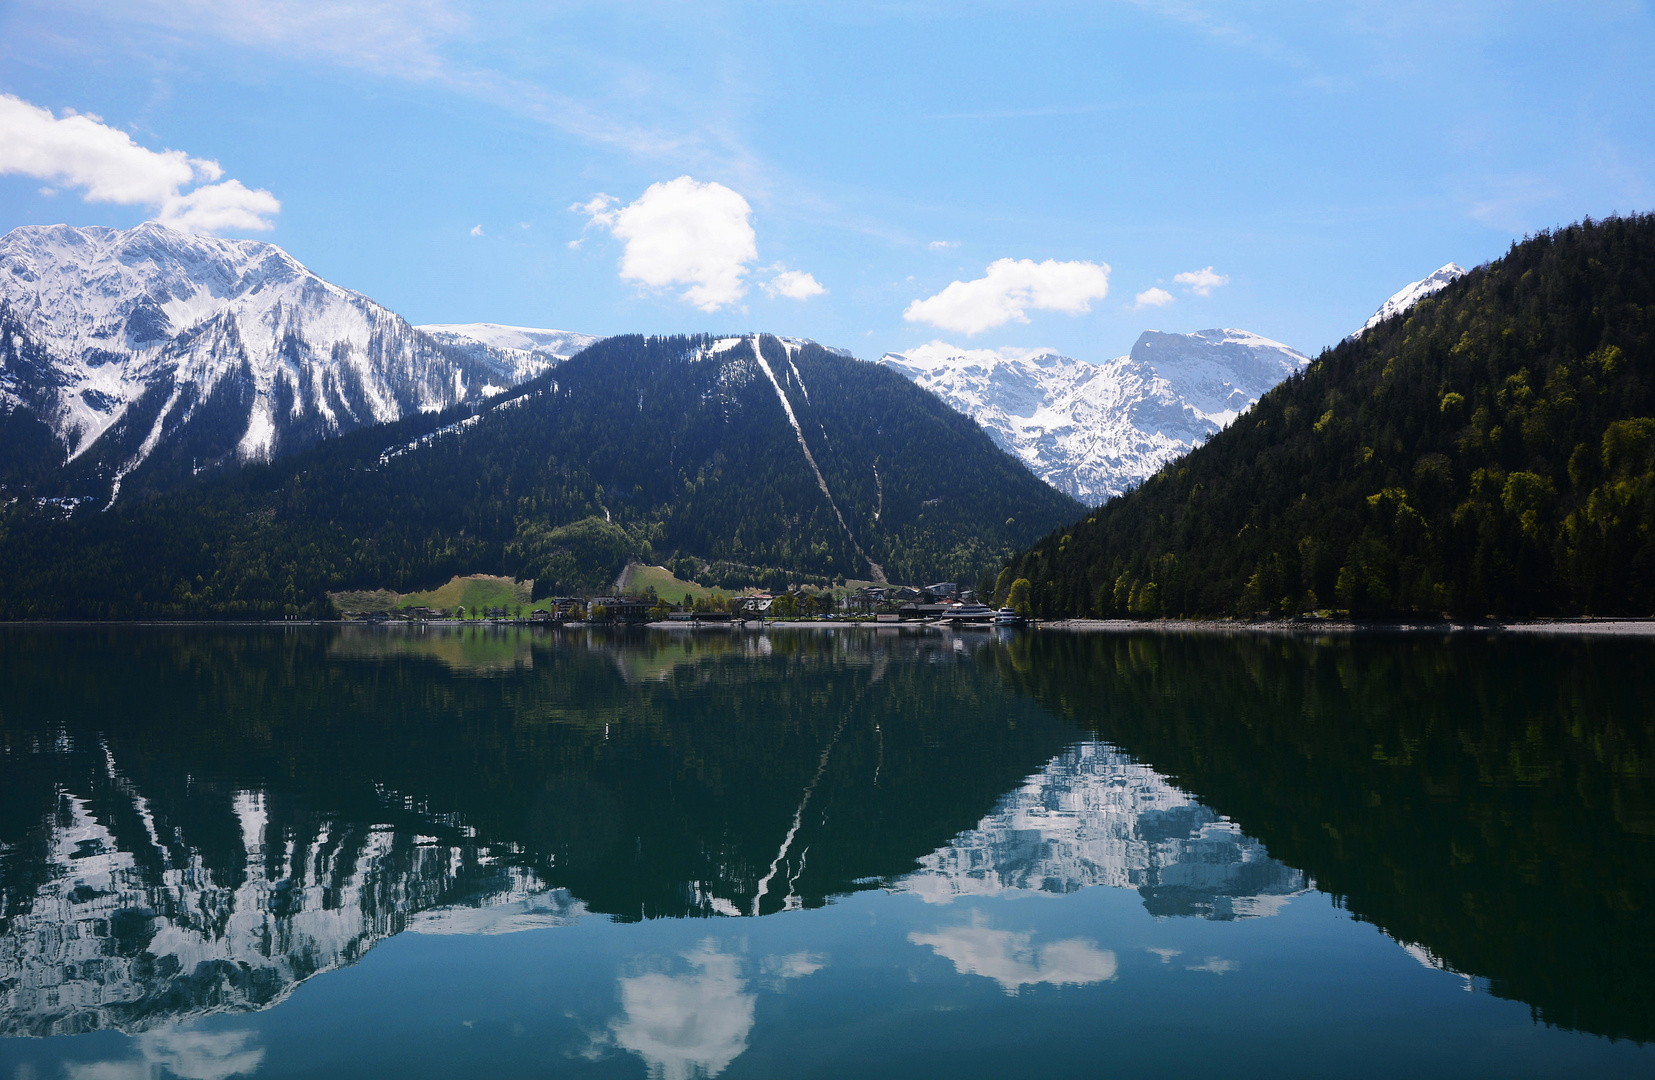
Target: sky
[{"x": 874, "y": 176}]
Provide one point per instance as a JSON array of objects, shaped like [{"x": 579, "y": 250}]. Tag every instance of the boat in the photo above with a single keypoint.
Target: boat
[
  {"x": 969, "y": 614},
  {"x": 1007, "y": 617}
]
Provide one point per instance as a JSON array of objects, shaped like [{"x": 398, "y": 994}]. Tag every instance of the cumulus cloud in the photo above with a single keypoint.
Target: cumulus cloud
[
  {"x": 793, "y": 284},
  {"x": 1154, "y": 298},
  {"x": 682, "y": 232},
  {"x": 81, "y": 151},
  {"x": 1202, "y": 282},
  {"x": 1008, "y": 289},
  {"x": 217, "y": 208},
  {"x": 477, "y": 230},
  {"x": 1010, "y": 960}
]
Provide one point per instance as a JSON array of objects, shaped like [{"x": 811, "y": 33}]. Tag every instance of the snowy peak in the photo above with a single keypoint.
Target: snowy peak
[
  {"x": 157, "y": 349},
  {"x": 1411, "y": 294},
  {"x": 128, "y": 289},
  {"x": 1095, "y": 430}
]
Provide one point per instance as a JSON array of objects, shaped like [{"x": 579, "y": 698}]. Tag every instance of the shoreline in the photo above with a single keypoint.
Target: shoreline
[
  {"x": 1620, "y": 627},
  {"x": 1585, "y": 627}
]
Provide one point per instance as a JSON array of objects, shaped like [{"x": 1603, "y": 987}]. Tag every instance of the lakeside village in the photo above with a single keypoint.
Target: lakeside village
[{"x": 947, "y": 603}]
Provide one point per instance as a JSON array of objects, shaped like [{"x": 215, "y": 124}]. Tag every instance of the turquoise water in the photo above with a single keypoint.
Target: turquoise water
[{"x": 359, "y": 852}]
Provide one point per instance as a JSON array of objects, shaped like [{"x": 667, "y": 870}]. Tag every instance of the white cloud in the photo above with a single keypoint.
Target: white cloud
[
  {"x": 80, "y": 151},
  {"x": 1008, "y": 289},
  {"x": 217, "y": 208},
  {"x": 682, "y": 232},
  {"x": 1154, "y": 298},
  {"x": 943, "y": 245},
  {"x": 477, "y": 230},
  {"x": 1009, "y": 959},
  {"x": 1202, "y": 282},
  {"x": 793, "y": 284},
  {"x": 1215, "y": 964}
]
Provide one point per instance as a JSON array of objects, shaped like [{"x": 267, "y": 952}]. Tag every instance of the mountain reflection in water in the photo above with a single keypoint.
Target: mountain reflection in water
[{"x": 196, "y": 822}]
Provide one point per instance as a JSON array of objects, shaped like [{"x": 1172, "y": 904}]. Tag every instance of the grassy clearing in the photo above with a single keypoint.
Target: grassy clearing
[
  {"x": 473, "y": 592},
  {"x": 639, "y": 577}
]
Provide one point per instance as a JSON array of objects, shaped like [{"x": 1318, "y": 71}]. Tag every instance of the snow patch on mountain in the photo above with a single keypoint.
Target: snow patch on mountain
[
  {"x": 525, "y": 350},
  {"x": 1094, "y": 430},
  {"x": 1411, "y": 294}
]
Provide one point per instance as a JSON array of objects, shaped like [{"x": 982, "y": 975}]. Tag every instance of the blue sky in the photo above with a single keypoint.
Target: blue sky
[{"x": 848, "y": 163}]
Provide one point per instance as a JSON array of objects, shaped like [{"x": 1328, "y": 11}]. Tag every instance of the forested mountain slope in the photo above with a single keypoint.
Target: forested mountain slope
[
  {"x": 740, "y": 460},
  {"x": 1492, "y": 452}
]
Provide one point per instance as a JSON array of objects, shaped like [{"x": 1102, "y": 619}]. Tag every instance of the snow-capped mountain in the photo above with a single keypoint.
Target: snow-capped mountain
[
  {"x": 529, "y": 350},
  {"x": 1411, "y": 294},
  {"x": 159, "y": 350},
  {"x": 1095, "y": 430}
]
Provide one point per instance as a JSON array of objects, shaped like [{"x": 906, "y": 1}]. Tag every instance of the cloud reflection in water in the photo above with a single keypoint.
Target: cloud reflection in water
[{"x": 1010, "y": 959}]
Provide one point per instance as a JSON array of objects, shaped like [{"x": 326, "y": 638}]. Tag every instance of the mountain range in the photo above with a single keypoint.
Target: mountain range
[
  {"x": 736, "y": 461},
  {"x": 1094, "y": 430},
  {"x": 135, "y": 359}
]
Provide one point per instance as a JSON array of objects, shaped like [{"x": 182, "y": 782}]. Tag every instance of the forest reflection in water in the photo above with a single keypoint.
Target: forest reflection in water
[{"x": 195, "y": 823}]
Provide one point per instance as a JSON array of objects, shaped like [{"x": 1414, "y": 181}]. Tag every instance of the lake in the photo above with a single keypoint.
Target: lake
[{"x": 332, "y": 852}]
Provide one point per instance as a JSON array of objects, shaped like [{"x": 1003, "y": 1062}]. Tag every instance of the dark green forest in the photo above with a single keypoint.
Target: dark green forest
[
  {"x": 661, "y": 449},
  {"x": 1491, "y": 452}
]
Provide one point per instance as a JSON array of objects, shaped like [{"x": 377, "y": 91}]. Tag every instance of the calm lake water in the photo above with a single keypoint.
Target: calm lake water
[{"x": 358, "y": 852}]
